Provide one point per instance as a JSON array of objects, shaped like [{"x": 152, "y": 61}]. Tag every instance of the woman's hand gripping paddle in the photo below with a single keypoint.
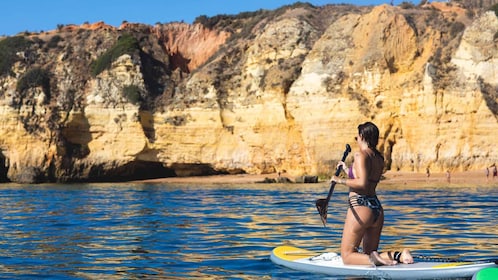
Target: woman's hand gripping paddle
[{"x": 322, "y": 204}]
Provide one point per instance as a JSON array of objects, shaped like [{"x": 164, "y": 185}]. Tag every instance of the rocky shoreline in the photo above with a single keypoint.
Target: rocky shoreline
[{"x": 390, "y": 178}]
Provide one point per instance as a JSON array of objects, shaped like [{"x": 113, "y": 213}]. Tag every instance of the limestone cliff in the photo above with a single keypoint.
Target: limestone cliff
[{"x": 257, "y": 93}]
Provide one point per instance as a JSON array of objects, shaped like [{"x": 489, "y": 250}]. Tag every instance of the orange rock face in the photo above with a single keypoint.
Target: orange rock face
[{"x": 189, "y": 46}]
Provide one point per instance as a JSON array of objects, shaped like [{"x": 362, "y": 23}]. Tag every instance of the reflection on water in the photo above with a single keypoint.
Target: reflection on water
[{"x": 218, "y": 231}]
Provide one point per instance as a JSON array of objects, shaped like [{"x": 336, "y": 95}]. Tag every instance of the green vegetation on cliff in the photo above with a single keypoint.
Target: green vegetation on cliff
[
  {"x": 132, "y": 93},
  {"x": 9, "y": 49},
  {"x": 35, "y": 77},
  {"x": 126, "y": 44},
  {"x": 494, "y": 8}
]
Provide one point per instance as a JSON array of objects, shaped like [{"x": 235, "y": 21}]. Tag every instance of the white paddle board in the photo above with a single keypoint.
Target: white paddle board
[{"x": 331, "y": 264}]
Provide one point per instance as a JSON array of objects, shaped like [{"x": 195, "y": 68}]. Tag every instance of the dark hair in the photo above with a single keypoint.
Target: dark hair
[{"x": 369, "y": 132}]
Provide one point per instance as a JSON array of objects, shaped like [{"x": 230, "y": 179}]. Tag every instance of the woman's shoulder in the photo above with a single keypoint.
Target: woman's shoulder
[
  {"x": 360, "y": 155},
  {"x": 364, "y": 155}
]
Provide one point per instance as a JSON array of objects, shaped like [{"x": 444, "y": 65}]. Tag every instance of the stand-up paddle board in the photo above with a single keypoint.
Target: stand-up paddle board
[{"x": 331, "y": 264}]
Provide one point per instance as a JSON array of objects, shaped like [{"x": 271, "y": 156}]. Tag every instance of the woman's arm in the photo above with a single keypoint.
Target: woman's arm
[{"x": 360, "y": 182}]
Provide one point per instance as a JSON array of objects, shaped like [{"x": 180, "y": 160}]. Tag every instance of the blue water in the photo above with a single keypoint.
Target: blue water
[{"x": 155, "y": 231}]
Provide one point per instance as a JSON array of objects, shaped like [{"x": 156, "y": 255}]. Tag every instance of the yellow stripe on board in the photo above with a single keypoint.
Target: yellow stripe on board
[
  {"x": 290, "y": 253},
  {"x": 451, "y": 264}
]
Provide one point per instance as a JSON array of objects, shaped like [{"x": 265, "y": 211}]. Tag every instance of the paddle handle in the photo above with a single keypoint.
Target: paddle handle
[{"x": 344, "y": 156}]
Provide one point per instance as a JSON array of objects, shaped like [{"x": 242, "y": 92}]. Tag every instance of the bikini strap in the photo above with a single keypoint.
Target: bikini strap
[{"x": 350, "y": 172}]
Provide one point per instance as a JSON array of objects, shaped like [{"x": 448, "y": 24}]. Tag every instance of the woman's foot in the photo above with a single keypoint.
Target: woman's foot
[
  {"x": 376, "y": 259},
  {"x": 406, "y": 256}
]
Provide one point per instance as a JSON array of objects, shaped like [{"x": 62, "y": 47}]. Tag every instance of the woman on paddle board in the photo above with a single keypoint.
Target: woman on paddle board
[{"x": 365, "y": 215}]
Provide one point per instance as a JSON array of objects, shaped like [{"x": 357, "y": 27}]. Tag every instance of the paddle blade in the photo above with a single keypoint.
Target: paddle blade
[{"x": 322, "y": 206}]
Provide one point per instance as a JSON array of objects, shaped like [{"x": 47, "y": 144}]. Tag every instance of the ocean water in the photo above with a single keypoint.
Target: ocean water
[{"x": 218, "y": 231}]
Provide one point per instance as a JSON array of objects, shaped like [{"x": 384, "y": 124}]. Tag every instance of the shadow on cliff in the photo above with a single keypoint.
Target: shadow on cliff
[
  {"x": 144, "y": 170},
  {"x": 3, "y": 169},
  {"x": 490, "y": 95},
  {"x": 75, "y": 137},
  {"x": 135, "y": 170},
  {"x": 155, "y": 75}
]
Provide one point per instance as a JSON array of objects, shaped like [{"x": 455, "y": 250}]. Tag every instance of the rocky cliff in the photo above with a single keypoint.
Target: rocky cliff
[{"x": 260, "y": 92}]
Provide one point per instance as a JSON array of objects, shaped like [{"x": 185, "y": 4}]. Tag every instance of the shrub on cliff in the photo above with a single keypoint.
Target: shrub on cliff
[
  {"x": 407, "y": 5},
  {"x": 35, "y": 77},
  {"x": 132, "y": 93},
  {"x": 494, "y": 8},
  {"x": 9, "y": 47},
  {"x": 54, "y": 41},
  {"x": 126, "y": 44},
  {"x": 456, "y": 28},
  {"x": 230, "y": 23}
]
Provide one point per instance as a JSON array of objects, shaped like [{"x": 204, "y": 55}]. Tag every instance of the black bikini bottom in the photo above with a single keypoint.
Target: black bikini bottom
[{"x": 371, "y": 202}]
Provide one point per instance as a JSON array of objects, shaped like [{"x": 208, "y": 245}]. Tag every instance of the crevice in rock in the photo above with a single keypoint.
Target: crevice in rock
[
  {"x": 4, "y": 168},
  {"x": 75, "y": 137},
  {"x": 132, "y": 171},
  {"x": 146, "y": 119},
  {"x": 490, "y": 95},
  {"x": 195, "y": 169}
]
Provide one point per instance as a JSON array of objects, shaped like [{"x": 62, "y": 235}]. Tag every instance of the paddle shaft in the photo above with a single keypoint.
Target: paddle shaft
[
  {"x": 322, "y": 204},
  {"x": 337, "y": 172}
]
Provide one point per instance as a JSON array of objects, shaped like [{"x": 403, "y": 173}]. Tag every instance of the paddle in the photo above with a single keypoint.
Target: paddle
[{"x": 323, "y": 204}]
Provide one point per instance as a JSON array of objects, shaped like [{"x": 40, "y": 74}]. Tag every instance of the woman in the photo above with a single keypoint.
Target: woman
[{"x": 365, "y": 215}]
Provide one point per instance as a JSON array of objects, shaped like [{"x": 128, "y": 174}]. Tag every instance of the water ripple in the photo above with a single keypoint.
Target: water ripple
[{"x": 217, "y": 231}]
